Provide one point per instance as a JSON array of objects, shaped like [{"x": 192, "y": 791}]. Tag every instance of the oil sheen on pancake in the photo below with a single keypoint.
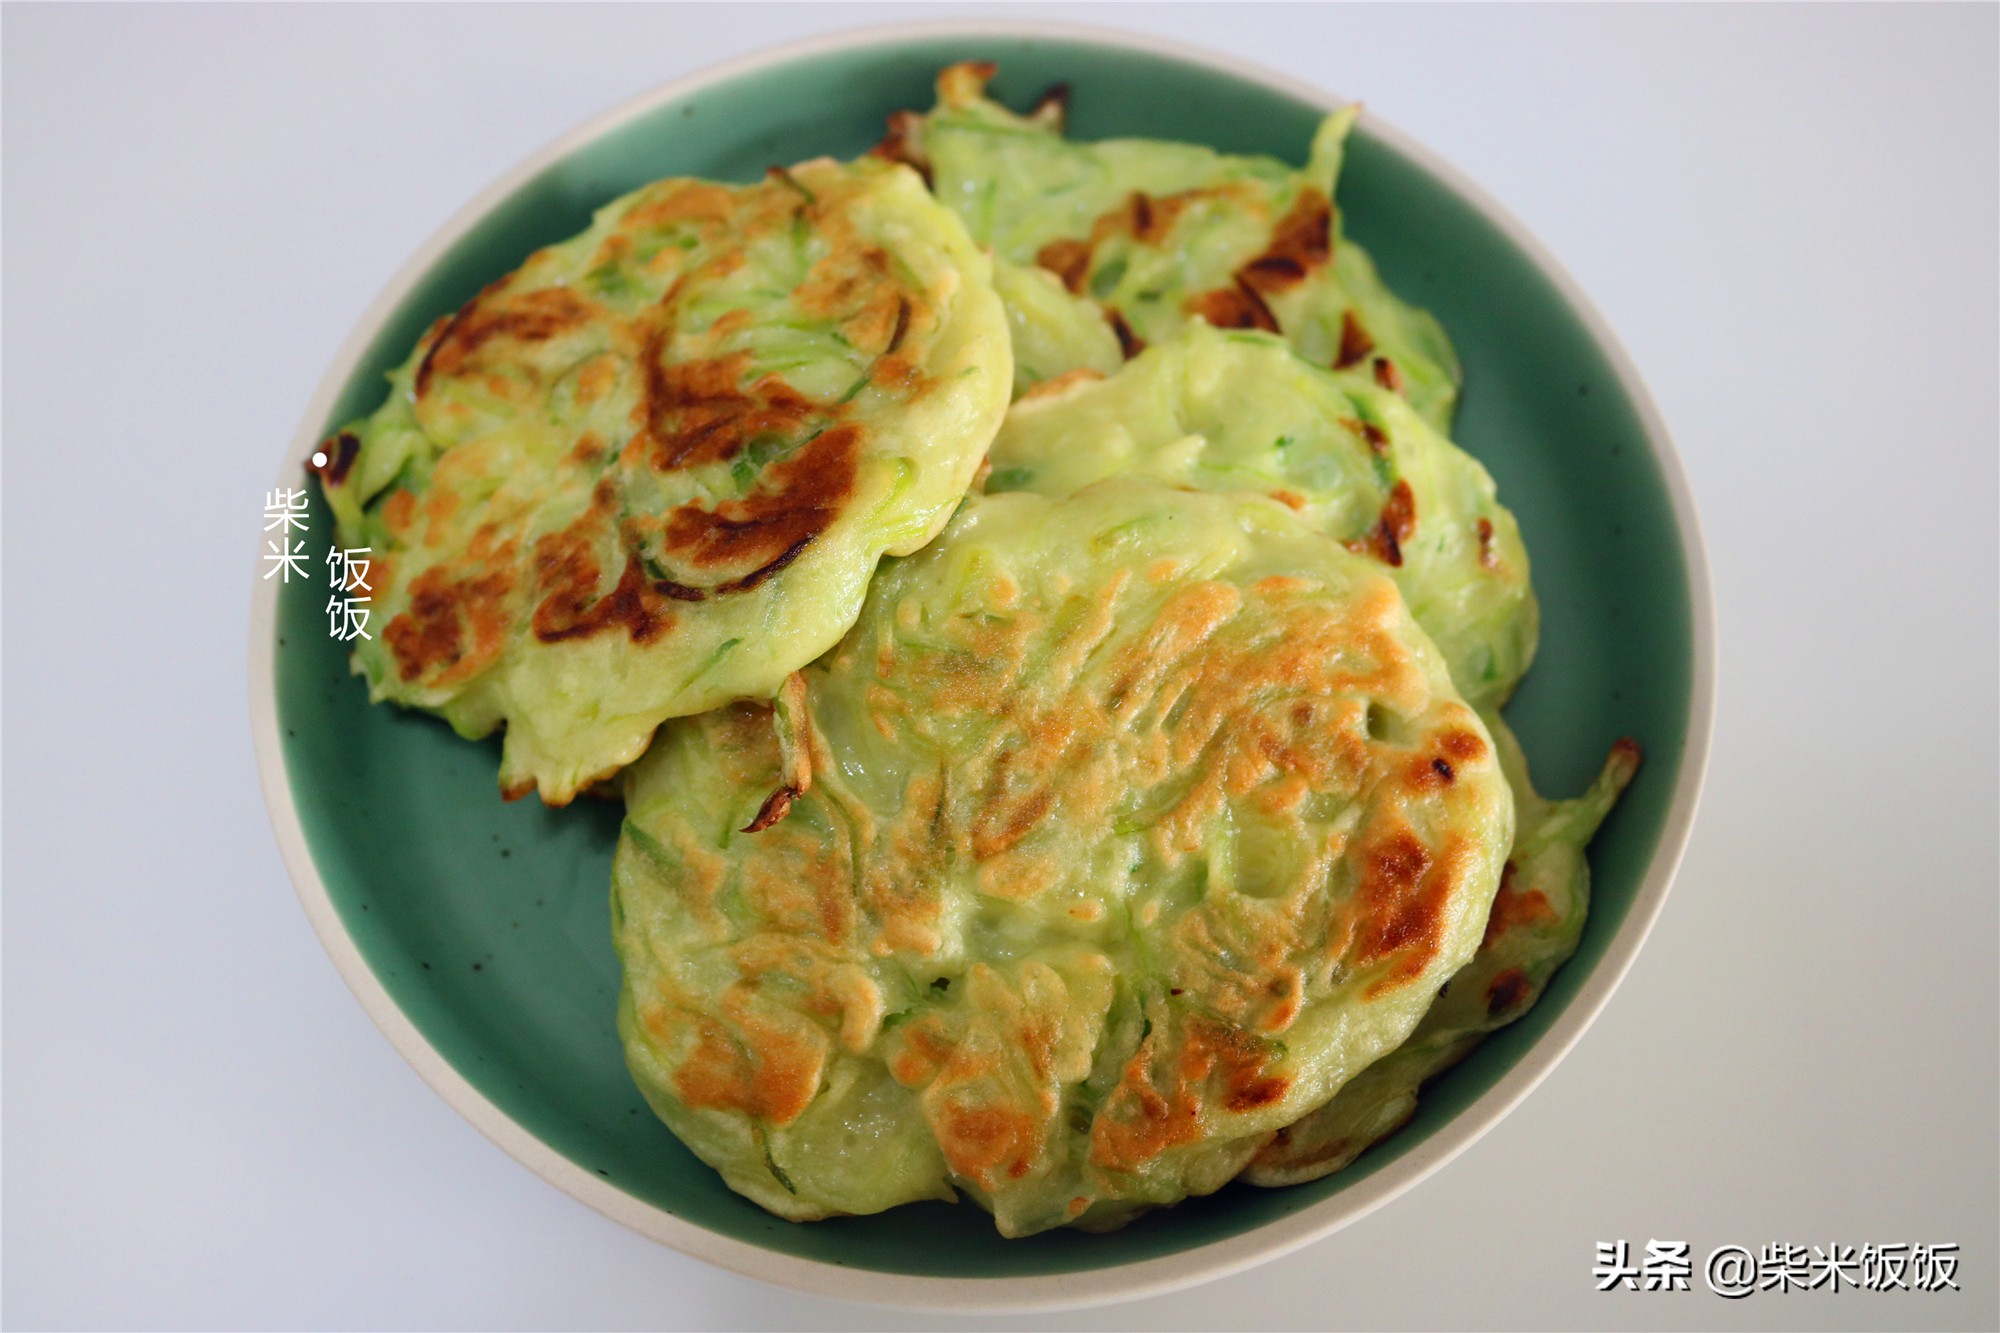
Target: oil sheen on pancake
[
  {"x": 1239, "y": 410},
  {"x": 1153, "y": 233},
  {"x": 1120, "y": 832},
  {"x": 652, "y": 470}
]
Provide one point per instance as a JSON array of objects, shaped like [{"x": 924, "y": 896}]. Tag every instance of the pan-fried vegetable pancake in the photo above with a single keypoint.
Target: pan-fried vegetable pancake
[
  {"x": 1231, "y": 411},
  {"x": 1120, "y": 831},
  {"x": 1054, "y": 330},
  {"x": 1239, "y": 411},
  {"x": 1533, "y": 927},
  {"x": 651, "y": 470},
  {"x": 1156, "y": 233}
]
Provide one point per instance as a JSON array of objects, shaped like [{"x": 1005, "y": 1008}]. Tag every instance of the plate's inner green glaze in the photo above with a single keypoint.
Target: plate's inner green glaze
[{"x": 489, "y": 923}]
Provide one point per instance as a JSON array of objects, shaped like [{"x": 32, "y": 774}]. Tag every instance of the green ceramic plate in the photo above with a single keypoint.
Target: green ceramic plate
[{"x": 477, "y": 934}]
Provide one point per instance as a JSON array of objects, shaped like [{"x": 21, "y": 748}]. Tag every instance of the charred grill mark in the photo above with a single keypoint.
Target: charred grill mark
[
  {"x": 1443, "y": 770},
  {"x": 680, "y": 592},
  {"x": 1130, "y": 343},
  {"x": 1355, "y": 344}
]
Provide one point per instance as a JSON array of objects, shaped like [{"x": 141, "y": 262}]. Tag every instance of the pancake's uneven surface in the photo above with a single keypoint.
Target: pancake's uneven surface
[
  {"x": 1120, "y": 831},
  {"x": 1534, "y": 925},
  {"x": 652, "y": 470},
  {"x": 1157, "y": 233},
  {"x": 1238, "y": 411}
]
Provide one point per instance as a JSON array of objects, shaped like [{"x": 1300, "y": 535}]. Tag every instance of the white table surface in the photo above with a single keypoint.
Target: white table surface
[{"x": 1789, "y": 215}]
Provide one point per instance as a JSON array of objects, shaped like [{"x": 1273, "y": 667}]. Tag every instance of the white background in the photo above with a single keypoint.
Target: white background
[{"x": 1788, "y": 213}]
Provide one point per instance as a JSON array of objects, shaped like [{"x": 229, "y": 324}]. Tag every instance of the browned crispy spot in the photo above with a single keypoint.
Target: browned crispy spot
[
  {"x": 1378, "y": 440},
  {"x": 766, "y": 530},
  {"x": 1506, "y": 991},
  {"x": 1397, "y": 524},
  {"x": 771, "y": 1074},
  {"x": 1068, "y": 260},
  {"x": 702, "y": 202},
  {"x": 1153, "y": 1109},
  {"x": 1290, "y": 499},
  {"x": 1355, "y": 344},
  {"x": 1052, "y": 107},
  {"x": 1233, "y": 307},
  {"x": 698, "y": 412},
  {"x": 1513, "y": 909},
  {"x": 429, "y": 638},
  {"x": 1301, "y": 242},
  {"x": 1401, "y": 897},
  {"x": 1130, "y": 343},
  {"x": 1464, "y": 746},
  {"x": 902, "y": 324},
  {"x": 900, "y": 143},
  {"x": 531, "y": 316},
  {"x": 1487, "y": 555},
  {"x": 399, "y": 511},
  {"x": 1387, "y": 375},
  {"x": 1152, "y": 220},
  {"x": 1147, "y": 219},
  {"x": 962, "y": 83},
  {"x": 1005, "y": 818},
  {"x": 569, "y": 574},
  {"x": 1049, "y": 388},
  {"x": 340, "y": 453},
  {"x": 980, "y": 1140}
]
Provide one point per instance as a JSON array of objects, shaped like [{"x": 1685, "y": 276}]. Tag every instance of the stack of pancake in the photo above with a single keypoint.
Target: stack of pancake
[{"x": 1048, "y": 646}]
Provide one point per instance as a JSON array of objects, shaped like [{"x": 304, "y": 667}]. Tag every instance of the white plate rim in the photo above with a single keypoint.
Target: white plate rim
[{"x": 1013, "y": 1294}]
